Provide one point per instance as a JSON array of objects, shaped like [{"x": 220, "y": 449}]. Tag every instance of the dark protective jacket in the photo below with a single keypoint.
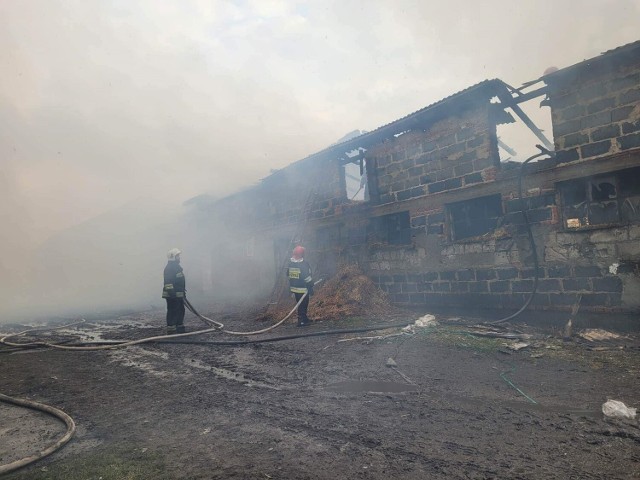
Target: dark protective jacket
[
  {"x": 299, "y": 273},
  {"x": 174, "y": 282}
]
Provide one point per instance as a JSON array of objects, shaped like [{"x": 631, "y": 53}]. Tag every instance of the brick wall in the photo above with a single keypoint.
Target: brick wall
[
  {"x": 596, "y": 112},
  {"x": 452, "y": 153}
]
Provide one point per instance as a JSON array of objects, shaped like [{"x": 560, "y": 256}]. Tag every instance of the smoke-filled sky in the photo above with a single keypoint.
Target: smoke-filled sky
[{"x": 103, "y": 102}]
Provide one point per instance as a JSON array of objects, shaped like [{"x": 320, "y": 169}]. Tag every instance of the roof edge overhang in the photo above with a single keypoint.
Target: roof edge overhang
[{"x": 607, "y": 60}]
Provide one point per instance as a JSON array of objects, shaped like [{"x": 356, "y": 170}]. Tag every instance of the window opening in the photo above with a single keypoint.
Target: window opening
[
  {"x": 602, "y": 200},
  {"x": 393, "y": 229},
  {"x": 354, "y": 172},
  {"x": 475, "y": 217},
  {"x": 523, "y": 119}
]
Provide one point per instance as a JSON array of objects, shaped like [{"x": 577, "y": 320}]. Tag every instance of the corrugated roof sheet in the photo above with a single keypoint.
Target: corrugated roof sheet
[
  {"x": 628, "y": 46},
  {"x": 609, "y": 54},
  {"x": 482, "y": 90}
]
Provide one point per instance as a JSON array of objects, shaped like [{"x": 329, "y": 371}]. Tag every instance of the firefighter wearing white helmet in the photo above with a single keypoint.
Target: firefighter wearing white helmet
[{"x": 174, "y": 291}]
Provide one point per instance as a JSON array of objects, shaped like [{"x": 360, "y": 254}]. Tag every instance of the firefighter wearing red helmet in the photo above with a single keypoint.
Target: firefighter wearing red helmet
[{"x": 300, "y": 283}]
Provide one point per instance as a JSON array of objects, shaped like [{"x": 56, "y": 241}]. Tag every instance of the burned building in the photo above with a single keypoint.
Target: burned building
[{"x": 429, "y": 211}]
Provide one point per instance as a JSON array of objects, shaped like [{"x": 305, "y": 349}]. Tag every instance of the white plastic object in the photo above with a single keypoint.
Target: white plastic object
[
  {"x": 617, "y": 409},
  {"x": 427, "y": 320}
]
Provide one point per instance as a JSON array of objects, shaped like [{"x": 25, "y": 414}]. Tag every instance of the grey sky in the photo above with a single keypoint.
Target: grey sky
[{"x": 102, "y": 102}]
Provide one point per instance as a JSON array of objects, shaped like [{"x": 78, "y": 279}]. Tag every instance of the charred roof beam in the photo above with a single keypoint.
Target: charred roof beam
[
  {"x": 509, "y": 101},
  {"x": 525, "y": 97}
]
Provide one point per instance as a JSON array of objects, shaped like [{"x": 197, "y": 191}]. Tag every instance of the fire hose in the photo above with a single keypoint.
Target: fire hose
[
  {"x": 217, "y": 327},
  {"x": 176, "y": 338},
  {"x": 68, "y": 421}
]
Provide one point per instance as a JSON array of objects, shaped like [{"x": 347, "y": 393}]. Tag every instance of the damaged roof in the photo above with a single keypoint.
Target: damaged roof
[
  {"x": 479, "y": 92},
  {"x": 630, "y": 51}
]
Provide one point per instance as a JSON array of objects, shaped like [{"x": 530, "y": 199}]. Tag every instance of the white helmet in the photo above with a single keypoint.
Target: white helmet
[{"x": 173, "y": 254}]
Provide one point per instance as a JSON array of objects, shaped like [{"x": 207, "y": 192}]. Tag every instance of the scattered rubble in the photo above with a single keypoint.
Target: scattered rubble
[
  {"x": 517, "y": 346},
  {"x": 597, "y": 334}
]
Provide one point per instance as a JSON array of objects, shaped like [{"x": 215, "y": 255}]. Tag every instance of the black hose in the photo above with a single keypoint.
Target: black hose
[
  {"x": 532, "y": 243},
  {"x": 265, "y": 340},
  {"x": 290, "y": 337}
]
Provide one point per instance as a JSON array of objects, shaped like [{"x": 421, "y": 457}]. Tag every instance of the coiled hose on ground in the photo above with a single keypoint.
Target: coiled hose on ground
[{"x": 68, "y": 421}]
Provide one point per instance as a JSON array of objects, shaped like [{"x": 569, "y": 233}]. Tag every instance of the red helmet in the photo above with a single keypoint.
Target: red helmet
[{"x": 298, "y": 252}]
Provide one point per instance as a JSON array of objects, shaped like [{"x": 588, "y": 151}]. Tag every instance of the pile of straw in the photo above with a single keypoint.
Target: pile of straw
[{"x": 349, "y": 293}]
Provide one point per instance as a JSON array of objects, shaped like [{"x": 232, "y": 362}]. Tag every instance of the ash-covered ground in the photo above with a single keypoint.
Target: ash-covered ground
[{"x": 325, "y": 407}]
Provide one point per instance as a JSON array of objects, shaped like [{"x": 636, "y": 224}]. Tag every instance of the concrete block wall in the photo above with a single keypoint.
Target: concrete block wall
[
  {"x": 596, "y": 113},
  {"x": 452, "y": 153},
  {"x": 600, "y": 268},
  {"x": 559, "y": 287}
]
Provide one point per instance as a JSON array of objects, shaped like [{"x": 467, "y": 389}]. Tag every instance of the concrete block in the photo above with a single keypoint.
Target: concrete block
[
  {"x": 595, "y": 120},
  {"x": 489, "y": 247},
  {"x": 595, "y": 149},
  {"x": 570, "y": 238},
  {"x": 629, "y": 250},
  {"x": 414, "y": 261},
  {"x": 555, "y": 254},
  {"x": 609, "y": 235},
  {"x": 629, "y": 141},
  {"x": 605, "y": 250},
  {"x": 501, "y": 258},
  {"x": 473, "y": 248},
  {"x": 448, "y": 250},
  {"x": 587, "y": 271},
  {"x": 634, "y": 232},
  {"x": 607, "y": 284},
  {"x": 630, "y": 290}
]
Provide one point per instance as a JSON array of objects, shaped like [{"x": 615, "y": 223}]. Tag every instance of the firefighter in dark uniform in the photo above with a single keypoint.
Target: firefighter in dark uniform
[
  {"x": 300, "y": 282},
  {"x": 174, "y": 291}
]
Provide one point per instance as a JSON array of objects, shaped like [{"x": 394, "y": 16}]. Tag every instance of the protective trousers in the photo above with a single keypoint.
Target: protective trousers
[
  {"x": 175, "y": 315},
  {"x": 302, "y": 309}
]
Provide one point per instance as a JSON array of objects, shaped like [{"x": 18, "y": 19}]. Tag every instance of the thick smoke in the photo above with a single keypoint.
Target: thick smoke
[{"x": 104, "y": 103}]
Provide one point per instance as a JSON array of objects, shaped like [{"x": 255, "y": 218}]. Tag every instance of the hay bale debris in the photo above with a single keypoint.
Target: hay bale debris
[{"x": 349, "y": 293}]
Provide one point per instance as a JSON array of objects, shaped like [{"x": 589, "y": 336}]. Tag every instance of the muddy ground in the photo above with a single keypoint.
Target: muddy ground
[{"x": 321, "y": 408}]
